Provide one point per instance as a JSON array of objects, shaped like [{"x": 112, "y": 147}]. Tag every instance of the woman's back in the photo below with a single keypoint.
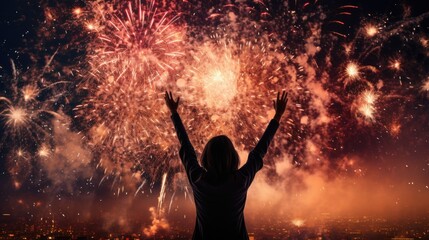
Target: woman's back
[
  {"x": 219, "y": 189},
  {"x": 220, "y": 208}
]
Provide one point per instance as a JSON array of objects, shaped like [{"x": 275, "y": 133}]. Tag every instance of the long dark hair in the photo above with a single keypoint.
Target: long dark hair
[{"x": 219, "y": 157}]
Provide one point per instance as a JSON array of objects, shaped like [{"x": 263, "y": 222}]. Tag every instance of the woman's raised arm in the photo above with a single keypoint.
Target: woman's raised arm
[
  {"x": 254, "y": 162},
  {"x": 186, "y": 152}
]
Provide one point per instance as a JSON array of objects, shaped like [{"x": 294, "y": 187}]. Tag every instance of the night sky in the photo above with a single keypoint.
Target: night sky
[{"x": 82, "y": 117}]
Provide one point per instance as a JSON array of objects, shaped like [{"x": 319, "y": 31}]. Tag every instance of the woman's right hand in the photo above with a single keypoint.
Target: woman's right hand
[{"x": 280, "y": 105}]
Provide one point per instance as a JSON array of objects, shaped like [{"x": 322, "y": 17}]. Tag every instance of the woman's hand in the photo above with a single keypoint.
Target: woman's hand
[
  {"x": 171, "y": 104},
  {"x": 280, "y": 105}
]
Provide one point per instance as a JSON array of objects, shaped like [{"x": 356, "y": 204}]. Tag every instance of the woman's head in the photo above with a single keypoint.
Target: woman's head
[{"x": 219, "y": 156}]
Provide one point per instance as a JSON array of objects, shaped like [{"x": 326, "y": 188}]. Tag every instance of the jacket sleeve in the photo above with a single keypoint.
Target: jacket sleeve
[
  {"x": 254, "y": 161},
  {"x": 187, "y": 153}
]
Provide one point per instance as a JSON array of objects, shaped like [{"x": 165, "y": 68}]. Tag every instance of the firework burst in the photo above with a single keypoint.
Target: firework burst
[
  {"x": 136, "y": 48},
  {"x": 366, "y": 105},
  {"x": 134, "y": 41},
  {"x": 26, "y": 118}
]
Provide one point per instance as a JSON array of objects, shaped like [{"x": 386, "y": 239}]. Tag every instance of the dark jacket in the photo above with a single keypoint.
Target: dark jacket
[{"x": 220, "y": 204}]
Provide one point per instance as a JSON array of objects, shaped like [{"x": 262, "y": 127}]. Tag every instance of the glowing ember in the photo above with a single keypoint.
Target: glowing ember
[
  {"x": 298, "y": 222},
  {"x": 352, "y": 71},
  {"x": 90, "y": 26},
  {"x": 369, "y": 97},
  {"x": 30, "y": 92},
  {"x": 20, "y": 153},
  {"x": 77, "y": 11},
  {"x": 396, "y": 65},
  {"x": 44, "y": 151},
  {"x": 15, "y": 116},
  {"x": 347, "y": 48},
  {"x": 17, "y": 184},
  {"x": 395, "y": 129},
  {"x": 367, "y": 110},
  {"x": 371, "y": 31}
]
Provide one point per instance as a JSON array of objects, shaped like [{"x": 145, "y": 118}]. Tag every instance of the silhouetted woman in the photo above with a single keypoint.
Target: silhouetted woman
[{"x": 219, "y": 187}]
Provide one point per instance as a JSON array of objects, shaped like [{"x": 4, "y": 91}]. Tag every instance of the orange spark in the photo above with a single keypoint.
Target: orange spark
[
  {"x": 352, "y": 70},
  {"x": 298, "y": 222},
  {"x": 77, "y": 11},
  {"x": 16, "y": 116},
  {"x": 371, "y": 31},
  {"x": 30, "y": 92}
]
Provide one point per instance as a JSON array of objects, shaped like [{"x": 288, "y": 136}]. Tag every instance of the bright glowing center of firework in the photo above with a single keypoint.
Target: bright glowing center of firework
[
  {"x": 77, "y": 11},
  {"x": 371, "y": 31},
  {"x": 43, "y": 151},
  {"x": 396, "y": 65},
  {"x": 27, "y": 97},
  {"x": 352, "y": 70},
  {"x": 90, "y": 26},
  {"x": 298, "y": 222},
  {"x": 20, "y": 153},
  {"x": 16, "y": 116},
  {"x": 220, "y": 87}
]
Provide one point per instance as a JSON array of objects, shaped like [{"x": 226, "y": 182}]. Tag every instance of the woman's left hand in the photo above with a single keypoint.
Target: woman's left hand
[{"x": 171, "y": 104}]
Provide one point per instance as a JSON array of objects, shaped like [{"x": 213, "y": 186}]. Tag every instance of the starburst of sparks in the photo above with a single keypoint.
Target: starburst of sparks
[
  {"x": 371, "y": 30},
  {"x": 396, "y": 65},
  {"x": 43, "y": 151},
  {"x": 352, "y": 70},
  {"x": 16, "y": 117},
  {"x": 366, "y": 103},
  {"x": 135, "y": 41},
  {"x": 217, "y": 74},
  {"x": 136, "y": 48},
  {"x": 27, "y": 120},
  {"x": 30, "y": 92}
]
